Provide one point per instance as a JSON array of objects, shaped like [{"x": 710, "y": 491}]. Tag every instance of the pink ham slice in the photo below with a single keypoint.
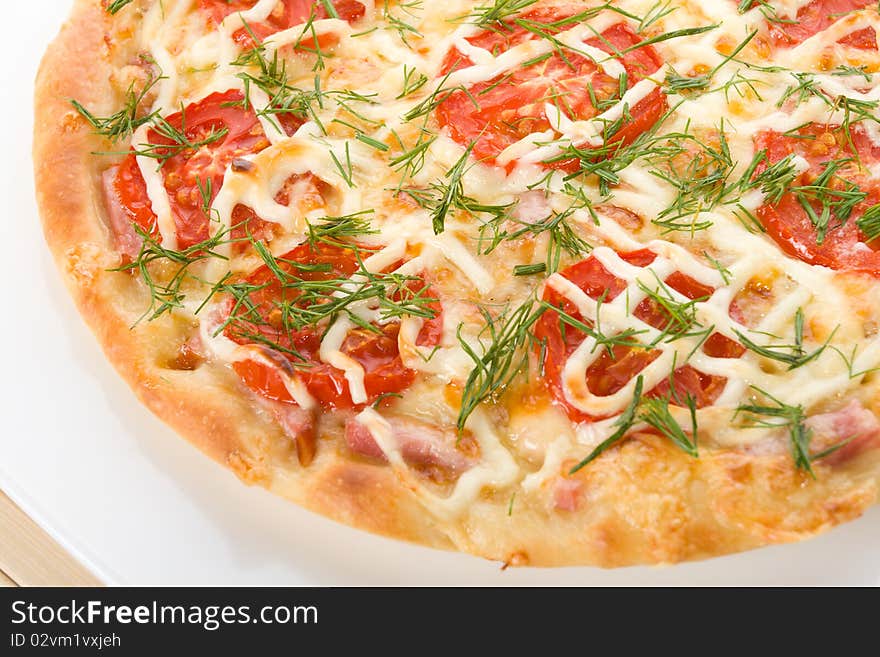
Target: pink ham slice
[
  {"x": 533, "y": 207},
  {"x": 853, "y": 422},
  {"x": 567, "y": 494},
  {"x": 128, "y": 242},
  {"x": 420, "y": 444},
  {"x": 299, "y": 426}
]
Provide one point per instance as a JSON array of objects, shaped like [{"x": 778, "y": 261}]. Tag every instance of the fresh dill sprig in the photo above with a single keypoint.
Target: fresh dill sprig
[
  {"x": 624, "y": 423},
  {"x": 318, "y": 301},
  {"x": 869, "y": 223},
  {"x": 850, "y": 361},
  {"x": 179, "y": 141},
  {"x": 530, "y": 270},
  {"x": 168, "y": 295},
  {"x": 779, "y": 414},
  {"x": 843, "y": 70},
  {"x": 503, "y": 359},
  {"x": 310, "y": 296},
  {"x": 606, "y": 161},
  {"x": 655, "y": 412},
  {"x": 271, "y": 78},
  {"x": 339, "y": 231},
  {"x": 835, "y": 196},
  {"x": 498, "y": 12},
  {"x": 344, "y": 166},
  {"x": 794, "y": 355},
  {"x": 399, "y": 23},
  {"x": 700, "y": 185},
  {"x": 683, "y": 84},
  {"x": 270, "y": 75},
  {"x": 329, "y": 8},
  {"x": 412, "y": 159},
  {"x": 115, "y": 6},
  {"x": 443, "y": 197},
  {"x": 440, "y": 95},
  {"x": 123, "y": 123},
  {"x": 562, "y": 237},
  {"x": 680, "y": 316},
  {"x": 413, "y": 80},
  {"x": 776, "y": 179},
  {"x": 625, "y": 338}
]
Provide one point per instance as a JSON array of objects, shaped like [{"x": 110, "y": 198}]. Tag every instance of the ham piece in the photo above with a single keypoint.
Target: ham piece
[
  {"x": 419, "y": 444},
  {"x": 853, "y": 422},
  {"x": 128, "y": 242},
  {"x": 567, "y": 494}
]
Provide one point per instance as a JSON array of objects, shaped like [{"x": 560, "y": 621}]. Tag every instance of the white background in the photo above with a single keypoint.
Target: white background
[{"x": 140, "y": 506}]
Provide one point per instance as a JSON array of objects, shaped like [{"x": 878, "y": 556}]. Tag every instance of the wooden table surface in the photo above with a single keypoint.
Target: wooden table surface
[{"x": 30, "y": 557}]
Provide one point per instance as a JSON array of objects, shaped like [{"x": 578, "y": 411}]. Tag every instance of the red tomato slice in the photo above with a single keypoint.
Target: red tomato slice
[
  {"x": 377, "y": 352},
  {"x": 610, "y": 372},
  {"x": 789, "y": 225},
  {"x": 189, "y": 173},
  {"x": 287, "y": 14},
  {"x": 511, "y": 106},
  {"x": 864, "y": 39},
  {"x": 265, "y": 379},
  {"x": 813, "y": 18},
  {"x": 131, "y": 192}
]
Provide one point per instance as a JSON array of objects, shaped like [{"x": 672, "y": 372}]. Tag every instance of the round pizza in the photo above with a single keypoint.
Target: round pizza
[{"x": 545, "y": 281}]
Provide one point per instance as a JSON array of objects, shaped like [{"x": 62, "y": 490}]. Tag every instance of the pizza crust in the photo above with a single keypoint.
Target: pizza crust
[{"x": 642, "y": 503}]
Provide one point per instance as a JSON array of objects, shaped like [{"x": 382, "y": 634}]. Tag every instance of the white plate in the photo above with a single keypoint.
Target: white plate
[{"x": 140, "y": 506}]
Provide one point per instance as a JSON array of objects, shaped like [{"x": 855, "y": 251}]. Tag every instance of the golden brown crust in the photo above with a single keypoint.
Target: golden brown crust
[{"x": 644, "y": 502}]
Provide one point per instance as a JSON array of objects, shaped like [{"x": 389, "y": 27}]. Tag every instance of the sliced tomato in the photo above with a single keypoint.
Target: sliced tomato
[
  {"x": 813, "y": 18},
  {"x": 651, "y": 312},
  {"x": 193, "y": 175},
  {"x": 864, "y": 39},
  {"x": 131, "y": 195},
  {"x": 376, "y": 350},
  {"x": 265, "y": 378},
  {"x": 498, "y": 113},
  {"x": 613, "y": 370},
  {"x": 188, "y": 173},
  {"x": 288, "y": 13},
  {"x": 689, "y": 382},
  {"x": 844, "y": 246}
]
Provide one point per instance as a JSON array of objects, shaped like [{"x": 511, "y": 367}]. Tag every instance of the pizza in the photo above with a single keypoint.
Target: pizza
[{"x": 544, "y": 281}]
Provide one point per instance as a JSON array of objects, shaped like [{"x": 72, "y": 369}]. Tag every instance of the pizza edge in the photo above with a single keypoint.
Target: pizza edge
[{"x": 647, "y": 502}]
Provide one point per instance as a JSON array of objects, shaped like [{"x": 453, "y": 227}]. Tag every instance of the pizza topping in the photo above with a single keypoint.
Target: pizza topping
[
  {"x": 441, "y": 454},
  {"x": 766, "y": 411},
  {"x": 809, "y": 19},
  {"x": 189, "y": 357},
  {"x": 329, "y": 322},
  {"x": 567, "y": 494},
  {"x": 824, "y": 215},
  {"x": 264, "y": 19},
  {"x": 114, "y": 6},
  {"x": 299, "y": 425},
  {"x": 631, "y": 218},
  {"x": 124, "y": 216},
  {"x": 578, "y": 332},
  {"x": 864, "y": 39},
  {"x": 842, "y": 435},
  {"x": 123, "y": 123},
  {"x": 550, "y": 74},
  {"x": 193, "y": 149}
]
